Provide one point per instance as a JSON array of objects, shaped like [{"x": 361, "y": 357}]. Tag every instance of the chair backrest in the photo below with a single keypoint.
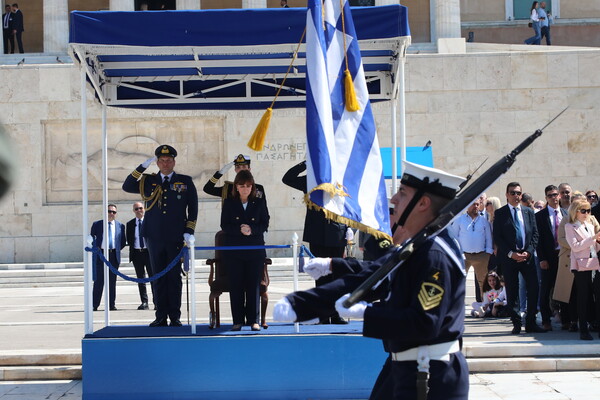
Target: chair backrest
[{"x": 220, "y": 267}]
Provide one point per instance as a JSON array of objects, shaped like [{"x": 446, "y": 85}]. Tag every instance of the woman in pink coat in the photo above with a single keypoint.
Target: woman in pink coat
[{"x": 579, "y": 232}]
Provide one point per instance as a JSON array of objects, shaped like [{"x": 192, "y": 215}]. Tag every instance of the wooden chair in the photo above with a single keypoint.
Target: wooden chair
[{"x": 219, "y": 284}]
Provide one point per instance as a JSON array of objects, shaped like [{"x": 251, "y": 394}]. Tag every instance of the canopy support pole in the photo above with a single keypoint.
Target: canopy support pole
[
  {"x": 87, "y": 265},
  {"x": 106, "y": 241},
  {"x": 402, "y": 104},
  {"x": 192, "y": 256},
  {"x": 393, "y": 109}
]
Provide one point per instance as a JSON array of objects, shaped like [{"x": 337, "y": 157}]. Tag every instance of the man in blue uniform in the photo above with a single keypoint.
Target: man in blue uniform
[
  {"x": 170, "y": 220},
  {"x": 422, "y": 316},
  {"x": 241, "y": 162}
]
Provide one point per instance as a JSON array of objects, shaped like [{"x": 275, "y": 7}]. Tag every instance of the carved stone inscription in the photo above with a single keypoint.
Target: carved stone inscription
[{"x": 199, "y": 144}]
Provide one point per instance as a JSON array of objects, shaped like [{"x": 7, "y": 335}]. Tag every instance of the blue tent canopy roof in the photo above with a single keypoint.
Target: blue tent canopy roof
[{"x": 221, "y": 59}]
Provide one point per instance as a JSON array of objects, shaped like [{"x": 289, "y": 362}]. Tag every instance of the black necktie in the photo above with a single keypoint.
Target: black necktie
[
  {"x": 140, "y": 233},
  {"x": 165, "y": 184},
  {"x": 518, "y": 234}
]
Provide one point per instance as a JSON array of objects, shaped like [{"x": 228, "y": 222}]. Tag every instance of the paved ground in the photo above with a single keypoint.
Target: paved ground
[{"x": 51, "y": 318}]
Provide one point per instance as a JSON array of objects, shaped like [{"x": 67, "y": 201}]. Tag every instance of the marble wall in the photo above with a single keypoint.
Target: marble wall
[{"x": 471, "y": 106}]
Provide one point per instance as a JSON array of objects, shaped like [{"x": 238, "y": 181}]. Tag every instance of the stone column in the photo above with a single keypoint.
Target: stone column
[
  {"x": 386, "y": 2},
  {"x": 445, "y": 21},
  {"x": 122, "y": 5},
  {"x": 56, "y": 26},
  {"x": 188, "y": 4},
  {"x": 254, "y": 3},
  {"x": 445, "y": 26}
]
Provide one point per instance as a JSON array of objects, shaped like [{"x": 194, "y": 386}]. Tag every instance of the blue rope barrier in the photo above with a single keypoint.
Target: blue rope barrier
[
  {"x": 271, "y": 246},
  {"x": 98, "y": 252}
]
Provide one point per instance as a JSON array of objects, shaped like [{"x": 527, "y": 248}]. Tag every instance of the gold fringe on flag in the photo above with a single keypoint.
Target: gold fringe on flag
[
  {"x": 337, "y": 190},
  {"x": 257, "y": 140}
]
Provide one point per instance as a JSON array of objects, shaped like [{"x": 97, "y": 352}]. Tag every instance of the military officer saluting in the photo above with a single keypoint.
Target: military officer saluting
[
  {"x": 170, "y": 220},
  {"x": 420, "y": 318},
  {"x": 241, "y": 162}
]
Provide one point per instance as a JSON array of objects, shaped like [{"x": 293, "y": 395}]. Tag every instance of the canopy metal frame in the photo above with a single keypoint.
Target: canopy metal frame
[{"x": 98, "y": 69}]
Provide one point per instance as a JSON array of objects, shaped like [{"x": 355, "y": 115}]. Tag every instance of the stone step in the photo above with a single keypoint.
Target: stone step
[
  {"x": 57, "y": 366},
  {"x": 71, "y": 274},
  {"x": 40, "y": 373}
]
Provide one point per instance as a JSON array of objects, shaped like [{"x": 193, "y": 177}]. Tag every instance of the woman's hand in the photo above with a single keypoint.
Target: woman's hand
[{"x": 245, "y": 229}]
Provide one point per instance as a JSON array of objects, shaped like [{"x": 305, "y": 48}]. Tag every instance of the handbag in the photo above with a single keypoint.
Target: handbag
[
  {"x": 587, "y": 263},
  {"x": 530, "y": 24}
]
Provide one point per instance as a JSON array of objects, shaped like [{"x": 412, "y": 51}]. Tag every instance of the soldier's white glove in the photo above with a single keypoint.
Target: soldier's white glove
[
  {"x": 318, "y": 267},
  {"x": 349, "y": 235},
  {"x": 187, "y": 237},
  {"x": 226, "y": 168},
  {"x": 149, "y": 161},
  {"x": 356, "y": 311},
  {"x": 283, "y": 311}
]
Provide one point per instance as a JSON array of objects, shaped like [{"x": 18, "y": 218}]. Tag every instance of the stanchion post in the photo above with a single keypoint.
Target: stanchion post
[
  {"x": 295, "y": 264},
  {"x": 87, "y": 287},
  {"x": 192, "y": 256}
]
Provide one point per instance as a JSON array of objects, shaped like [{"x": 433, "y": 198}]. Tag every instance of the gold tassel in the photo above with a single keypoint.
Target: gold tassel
[
  {"x": 257, "y": 140},
  {"x": 350, "y": 94}
]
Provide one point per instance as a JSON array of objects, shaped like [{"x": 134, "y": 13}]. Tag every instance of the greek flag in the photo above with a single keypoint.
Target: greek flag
[{"x": 344, "y": 169}]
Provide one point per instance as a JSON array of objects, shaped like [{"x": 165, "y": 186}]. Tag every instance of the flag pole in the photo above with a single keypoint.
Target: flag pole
[{"x": 295, "y": 264}]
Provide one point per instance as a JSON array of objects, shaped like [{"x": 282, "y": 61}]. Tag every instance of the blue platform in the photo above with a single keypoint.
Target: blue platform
[{"x": 321, "y": 362}]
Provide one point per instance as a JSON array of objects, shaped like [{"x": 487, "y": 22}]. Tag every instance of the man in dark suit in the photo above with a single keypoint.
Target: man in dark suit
[
  {"x": 116, "y": 242},
  {"x": 548, "y": 220},
  {"x": 18, "y": 27},
  {"x": 138, "y": 252},
  {"x": 516, "y": 237},
  {"x": 7, "y": 27},
  {"x": 325, "y": 238},
  {"x": 170, "y": 219}
]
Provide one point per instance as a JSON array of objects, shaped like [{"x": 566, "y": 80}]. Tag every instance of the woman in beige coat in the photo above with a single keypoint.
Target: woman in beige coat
[{"x": 583, "y": 241}]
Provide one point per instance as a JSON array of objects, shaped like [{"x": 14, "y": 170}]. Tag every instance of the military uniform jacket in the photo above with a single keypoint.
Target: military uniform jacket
[
  {"x": 170, "y": 213},
  {"x": 256, "y": 215},
  {"x": 424, "y": 302},
  {"x": 225, "y": 191}
]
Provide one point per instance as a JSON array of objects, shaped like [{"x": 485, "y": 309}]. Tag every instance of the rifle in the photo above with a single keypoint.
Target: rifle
[{"x": 465, "y": 198}]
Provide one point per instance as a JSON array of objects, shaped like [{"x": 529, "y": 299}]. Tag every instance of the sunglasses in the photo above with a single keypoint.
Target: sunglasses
[
  {"x": 138, "y": 208},
  {"x": 112, "y": 212},
  {"x": 592, "y": 196},
  {"x": 551, "y": 195},
  {"x": 565, "y": 192},
  {"x": 488, "y": 204},
  {"x": 515, "y": 193},
  {"x": 585, "y": 211}
]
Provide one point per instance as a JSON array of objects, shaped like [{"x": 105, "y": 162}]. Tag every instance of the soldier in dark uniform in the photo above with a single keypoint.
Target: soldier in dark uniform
[
  {"x": 240, "y": 163},
  {"x": 422, "y": 315},
  {"x": 325, "y": 238},
  {"x": 170, "y": 220}
]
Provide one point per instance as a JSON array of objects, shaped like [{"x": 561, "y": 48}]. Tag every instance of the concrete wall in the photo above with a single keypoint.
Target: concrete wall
[
  {"x": 482, "y": 10},
  {"x": 580, "y": 9},
  {"x": 470, "y": 106}
]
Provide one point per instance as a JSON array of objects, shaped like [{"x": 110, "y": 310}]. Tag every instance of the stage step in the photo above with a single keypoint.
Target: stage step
[{"x": 71, "y": 274}]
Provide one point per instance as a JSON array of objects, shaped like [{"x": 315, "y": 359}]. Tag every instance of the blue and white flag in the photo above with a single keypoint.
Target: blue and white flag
[{"x": 344, "y": 168}]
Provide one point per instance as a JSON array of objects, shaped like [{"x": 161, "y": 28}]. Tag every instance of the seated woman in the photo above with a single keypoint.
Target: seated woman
[
  {"x": 583, "y": 240},
  {"x": 244, "y": 219}
]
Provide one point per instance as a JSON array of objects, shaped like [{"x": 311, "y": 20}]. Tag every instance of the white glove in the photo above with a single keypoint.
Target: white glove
[
  {"x": 283, "y": 311},
  {"x": 318, "y": 267},
  {"x": 187, "y": 237},
  {"x": 149, "y": 161},
  {"x": 356, "y": 311},
  {"x": 349, "y": 235},
  {"x": 226, "y": 168}
]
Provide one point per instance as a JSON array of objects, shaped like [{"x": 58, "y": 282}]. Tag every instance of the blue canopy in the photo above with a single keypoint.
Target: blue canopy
[{"x": 221, "y": 59}]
